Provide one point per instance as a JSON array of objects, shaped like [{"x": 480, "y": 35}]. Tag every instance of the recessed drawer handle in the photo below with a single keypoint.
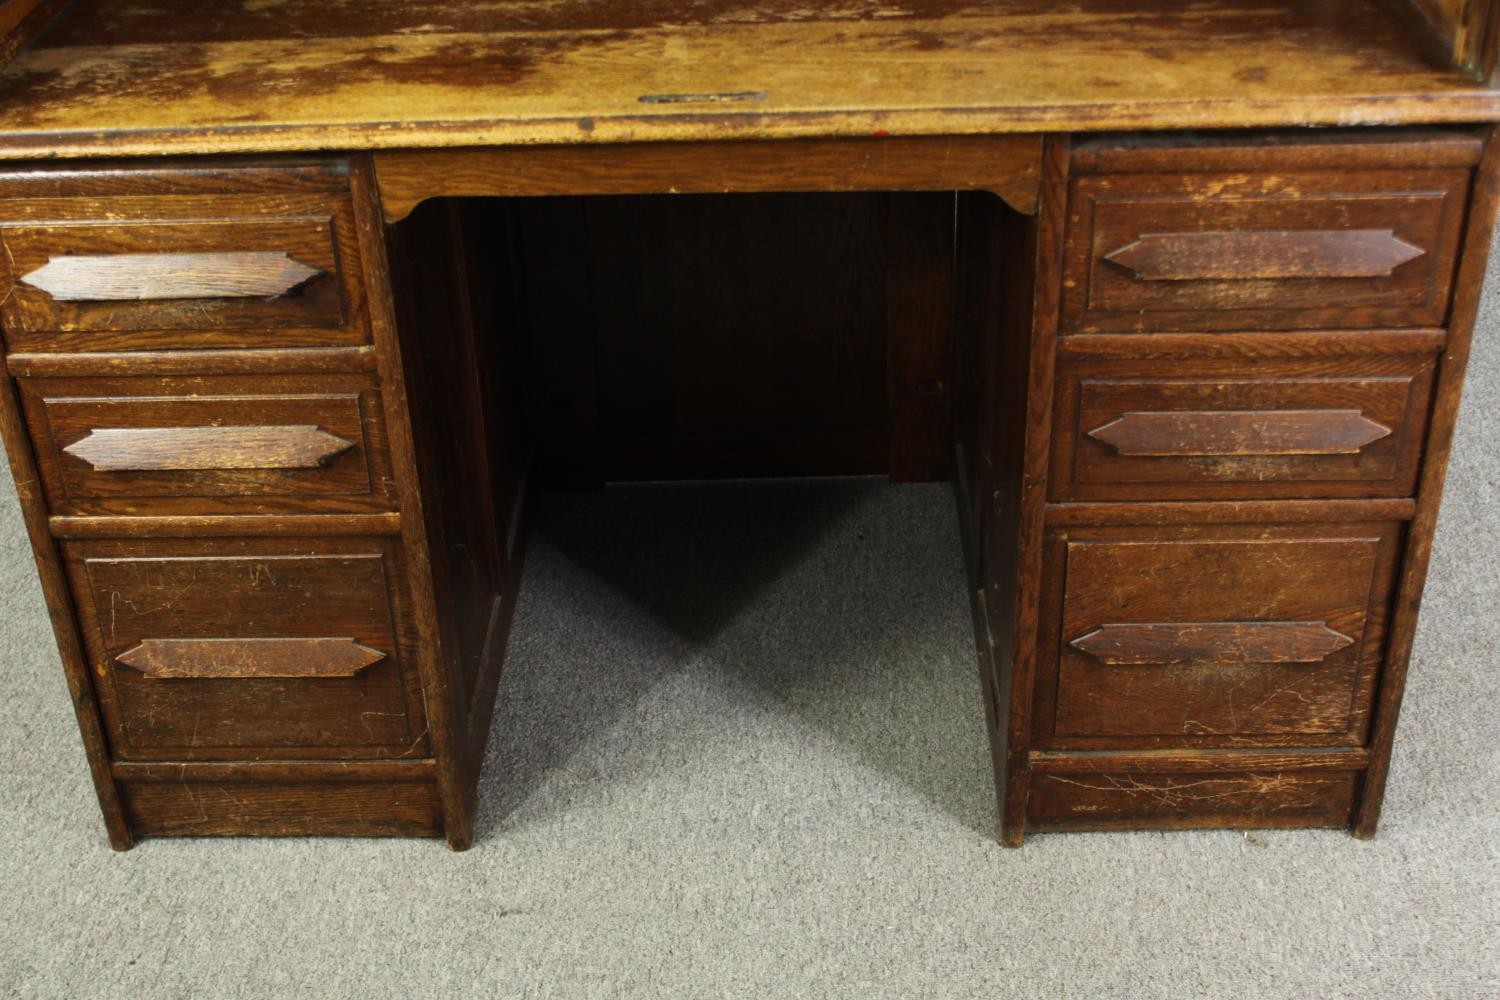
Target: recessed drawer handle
[
  {"x": 1212, "y": 643},
  {"x": 1184, "y": 433},
  {"x": 210, "y": 659},
  {"x": 1249, "y": 256},
  {"x": 136, "y": 276},
  {"x": 182, "y": 449}
]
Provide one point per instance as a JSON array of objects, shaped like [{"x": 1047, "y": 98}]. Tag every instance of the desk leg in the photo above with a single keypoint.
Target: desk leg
[
  {"x": 1009, "y": 284},
  {"x": 455, "y": 416}
]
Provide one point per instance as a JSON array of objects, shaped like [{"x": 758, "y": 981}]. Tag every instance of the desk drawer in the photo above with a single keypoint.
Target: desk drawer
[
  {"x": 212, "y": 445},
  {"x": 250, "y": 649},
  {"x": 1236, "y": 429},
  {"x": 1207, "y": 636},
  {"x": 180, "y": 273},
  {"x": 1268, "y": 250}
]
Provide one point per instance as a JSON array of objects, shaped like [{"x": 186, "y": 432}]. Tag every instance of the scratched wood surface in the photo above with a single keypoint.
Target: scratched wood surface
[
  {"x": 139, "y": 77},
  {"x": 240, "y": 649}
]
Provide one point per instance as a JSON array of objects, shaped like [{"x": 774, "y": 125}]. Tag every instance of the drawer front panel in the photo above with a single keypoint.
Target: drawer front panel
[
  {"x": 250, "y": 649},
  {"x": 181, "y": 273},
  {"x": 1230, "y": 251},
  {"x": 1232, "y": 429},
  {"x": 283, "y": 808},
  {"x": 1123, "y": 800},
  {"x": 1227, "y": 636},
  {"x": 264, "y": 444}
]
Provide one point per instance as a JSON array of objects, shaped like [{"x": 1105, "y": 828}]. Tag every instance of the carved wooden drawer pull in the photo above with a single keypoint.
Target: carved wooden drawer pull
[
  {"x": 211, "y": 659},
  {"x": 136, "y": 276},
  {"x": 1212, "y": 643},
  {"x": 1248, "y": 256},
  {"x": 1185, "y": 433},
  {"x": 180, "y": 449}
]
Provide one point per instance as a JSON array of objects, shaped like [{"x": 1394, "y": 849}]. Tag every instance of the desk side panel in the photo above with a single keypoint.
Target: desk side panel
[{"x": 460, "y": 366}]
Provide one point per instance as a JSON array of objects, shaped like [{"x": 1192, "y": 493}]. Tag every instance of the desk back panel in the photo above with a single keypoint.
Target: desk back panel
[{"x": 811, "y": 338}]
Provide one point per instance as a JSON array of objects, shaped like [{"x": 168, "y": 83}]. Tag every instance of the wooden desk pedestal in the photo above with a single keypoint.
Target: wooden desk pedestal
[{"x": 273, "y": 421}]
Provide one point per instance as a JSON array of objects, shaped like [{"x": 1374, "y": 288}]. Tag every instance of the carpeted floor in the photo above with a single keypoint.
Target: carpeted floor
[{"x": 739, "y": 750}]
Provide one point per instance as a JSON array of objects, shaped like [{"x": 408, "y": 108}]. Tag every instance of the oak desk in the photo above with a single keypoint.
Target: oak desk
[{"x": 299, "y": 298}]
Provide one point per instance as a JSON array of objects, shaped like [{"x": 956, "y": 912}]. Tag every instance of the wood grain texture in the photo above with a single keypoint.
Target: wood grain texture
[
  {"x": 1250, "y": 278},
  {"x": 1125, "y": 800},
  {"x": 1182, "y": 762},
  {"x": 154, "y": 602},
  {"x": 1264, "y": 254},
  {"x": 1240, "y": 432},
  {"x": 208, "y": 232},
  {"x": 1177, "y": 429},
  {"x": 1014, "y": 561},
  {"x": 455, "y": 792},
  {"x": 311, "y": 807},
  {"x": 461, "y": 352},
  {"x": 211, "y": 445},
  {"x": 1211, "y": 643},
  {"x": 135, "y": 77},
  {"x": 177, "y": 449},
  {"x": 130, "y": 277},
  {"x": 1198, "y": 636},
  {"x": 1005, "y": 165},
  {"x": 224, "y": 658},
  {"x": 265, "y": 361},
  {"x": 1469, "y": 283}
]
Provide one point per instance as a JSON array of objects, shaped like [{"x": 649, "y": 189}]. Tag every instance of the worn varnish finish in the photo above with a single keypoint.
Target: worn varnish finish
[
  {"x": 133, "y": 277},
  {"x": 1225, "y": 429},
  {"x": 1005, "y": 165},
  {"x": 213, "y": 444},
  {"x": 126, "y": 76},
  {"x": 220, "y": 658},
  {"x": 273, "y": 420}
]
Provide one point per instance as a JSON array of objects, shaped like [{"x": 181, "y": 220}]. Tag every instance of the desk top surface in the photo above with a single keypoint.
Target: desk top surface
[{"x": 143, "y": 77}]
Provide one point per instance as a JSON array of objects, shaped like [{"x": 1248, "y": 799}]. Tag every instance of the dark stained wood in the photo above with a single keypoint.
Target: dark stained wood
[
  {"x": 179, "y": 272},
  {"x": 1451, "y": 368},
  {"x": 1180, "y": 762},
  {"x": 314, "y": 806},
  {"x": 129, "y": 277},
  {"x": 211, "y": 445},
  {"x": 225, "y": 525},
  {"x": 437, "y": 689},
  {"x": 1213, "y": 635},
  {"x": 815, "y": 338},
  {"x": 61, "y": 611},
  {"x": 134, "y": 77},
  {"x": 1062, "y": 515},
  {"x": 243, "y": 700},
  {"x": 1270, "y": 150},
  {"x": 1248, "y": 279},
  {"x": 1202, "y": 434},
  {"x": 1211, "y": 643},
  {"x": 1125, "y": 800},
  {"x": 462, "y": 368},
  {"x": 1267, "y": 346},
  {"x": 919, "y": 280},
  {"x": 21, "y": 21},
  {"x": 177, "y": 449},
  {"x": 1005, "y": 165},
  {"x": 1248, "y": 256},
  {"x": 289, "y": 361},
  {"x": 1253, "y": 429},
  {"x": 220, "y": 658},
  {"x": 422, "y": 769},
  {"x": 1009, "y": 279}
]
